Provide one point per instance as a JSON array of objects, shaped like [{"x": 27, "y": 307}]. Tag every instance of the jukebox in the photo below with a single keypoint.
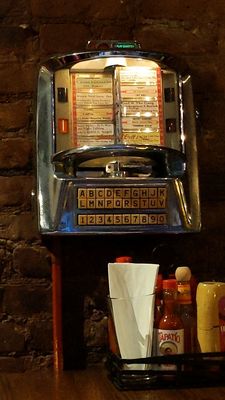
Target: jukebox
[
  {"x": 116, "y": 150},
  {"x": 116, "y": 145}
]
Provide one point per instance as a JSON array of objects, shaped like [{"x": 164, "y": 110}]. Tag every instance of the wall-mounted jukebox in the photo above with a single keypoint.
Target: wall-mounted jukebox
[{"x": 116, "y": 146}]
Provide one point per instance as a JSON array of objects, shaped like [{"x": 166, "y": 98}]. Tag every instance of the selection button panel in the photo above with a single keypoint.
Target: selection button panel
[{"x": 125, "y": 205}]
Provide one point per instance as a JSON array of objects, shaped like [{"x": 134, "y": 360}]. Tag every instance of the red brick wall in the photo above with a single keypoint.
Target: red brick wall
[{"x": 32, "y": 30}]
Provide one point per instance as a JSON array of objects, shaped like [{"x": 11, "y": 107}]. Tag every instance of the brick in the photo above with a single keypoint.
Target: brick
[
  {"x": 15, "y": 153},
  {"x": 15, "y": 116},
  {"x": 9, "y": 74},
  {"x": 38, "y": 362},
  {"x": 18, "y": 227},
  {"x": 12, "y": 38},
  {"x": 111, "y": 10},
  {"x": 63, "y": 38},
  {"x": 176, "y": 38},
  {"x": 27, "y": 299},
  {"x": 5, "y": 7},
  {"x": 11, "y": 338},
  {"x": 1, "y": 290},
  {"x": 95, "y": 332},
  {"x": 54, "y": 9},
  {"x": 208, "y": 191},
  {"x": 209, "y": 111},
  {"x": 207, "y": 74},
  {"x": 214, "y": 245},
  {"x": 16, "y": 190},
  {"x": 215, "y": 161},
  {"x": 81, "y": 11},
  {"x": 18, "y": 43},
  {"x": 24, "y": 363},
  {"x": 116, "y": 31},
  {"x": 32, "y": 262},
  {"x": 12, "y": 364},
  {"x": 221, "y": 41},
  {"x": 213, "y": 214},
  {"x": 175, "y": 9},
  {"x": 41, "y": 336},
  {"x": 16, "y": 9}
]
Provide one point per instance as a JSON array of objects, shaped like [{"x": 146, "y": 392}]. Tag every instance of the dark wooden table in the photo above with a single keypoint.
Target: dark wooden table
[{"x": 90, "y": 384}]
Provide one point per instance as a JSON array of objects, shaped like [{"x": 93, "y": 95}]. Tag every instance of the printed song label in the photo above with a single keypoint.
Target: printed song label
[{"x": 170, "y": 342}]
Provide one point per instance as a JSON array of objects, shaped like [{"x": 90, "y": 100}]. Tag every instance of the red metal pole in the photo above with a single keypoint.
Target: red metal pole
[{"x": 57, "y": 306}]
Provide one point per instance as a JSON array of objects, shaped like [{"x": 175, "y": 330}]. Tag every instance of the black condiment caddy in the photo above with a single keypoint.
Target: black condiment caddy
[{"x": 192, "y": 370}]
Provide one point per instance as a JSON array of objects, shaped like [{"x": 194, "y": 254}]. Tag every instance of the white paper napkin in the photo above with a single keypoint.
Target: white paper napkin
[{"x": 131, "y": 289}]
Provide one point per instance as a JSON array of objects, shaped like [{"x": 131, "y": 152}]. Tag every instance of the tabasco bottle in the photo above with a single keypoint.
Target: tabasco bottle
[{"x": 170, "y": 338}]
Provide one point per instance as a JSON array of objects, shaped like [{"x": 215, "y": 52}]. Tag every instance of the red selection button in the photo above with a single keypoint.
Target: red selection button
[{"x": 63, "y": 125}]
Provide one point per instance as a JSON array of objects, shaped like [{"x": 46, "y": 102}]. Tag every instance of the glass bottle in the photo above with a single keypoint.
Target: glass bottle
[
  {"x": 185, "y": 308},
  {"x": 123, "y": 259},
  {"x": 157, "y": 312},
  {"x": 170, "y": 338}
]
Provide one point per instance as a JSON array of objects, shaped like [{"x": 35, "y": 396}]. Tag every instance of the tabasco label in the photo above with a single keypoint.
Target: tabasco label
[{"x": 170, "y": 342}]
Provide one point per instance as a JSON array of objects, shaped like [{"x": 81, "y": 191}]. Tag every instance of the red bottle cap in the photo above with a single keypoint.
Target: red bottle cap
[
  {"x": 123, "y": 259},
  {"x": 169, "y": 284}
]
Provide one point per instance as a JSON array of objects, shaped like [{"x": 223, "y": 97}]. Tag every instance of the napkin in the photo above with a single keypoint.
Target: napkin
[{"x": 131, "y": 292}]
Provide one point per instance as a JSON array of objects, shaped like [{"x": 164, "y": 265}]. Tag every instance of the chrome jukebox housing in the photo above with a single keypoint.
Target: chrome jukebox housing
[{"x": 116, "y": 144}]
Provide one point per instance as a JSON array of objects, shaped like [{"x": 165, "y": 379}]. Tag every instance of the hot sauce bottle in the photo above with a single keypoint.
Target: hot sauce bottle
[
  {"x": 170, "y": 338},
  {"x": 185, "y": 307},
  {"x": 123, "y": 259}
]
